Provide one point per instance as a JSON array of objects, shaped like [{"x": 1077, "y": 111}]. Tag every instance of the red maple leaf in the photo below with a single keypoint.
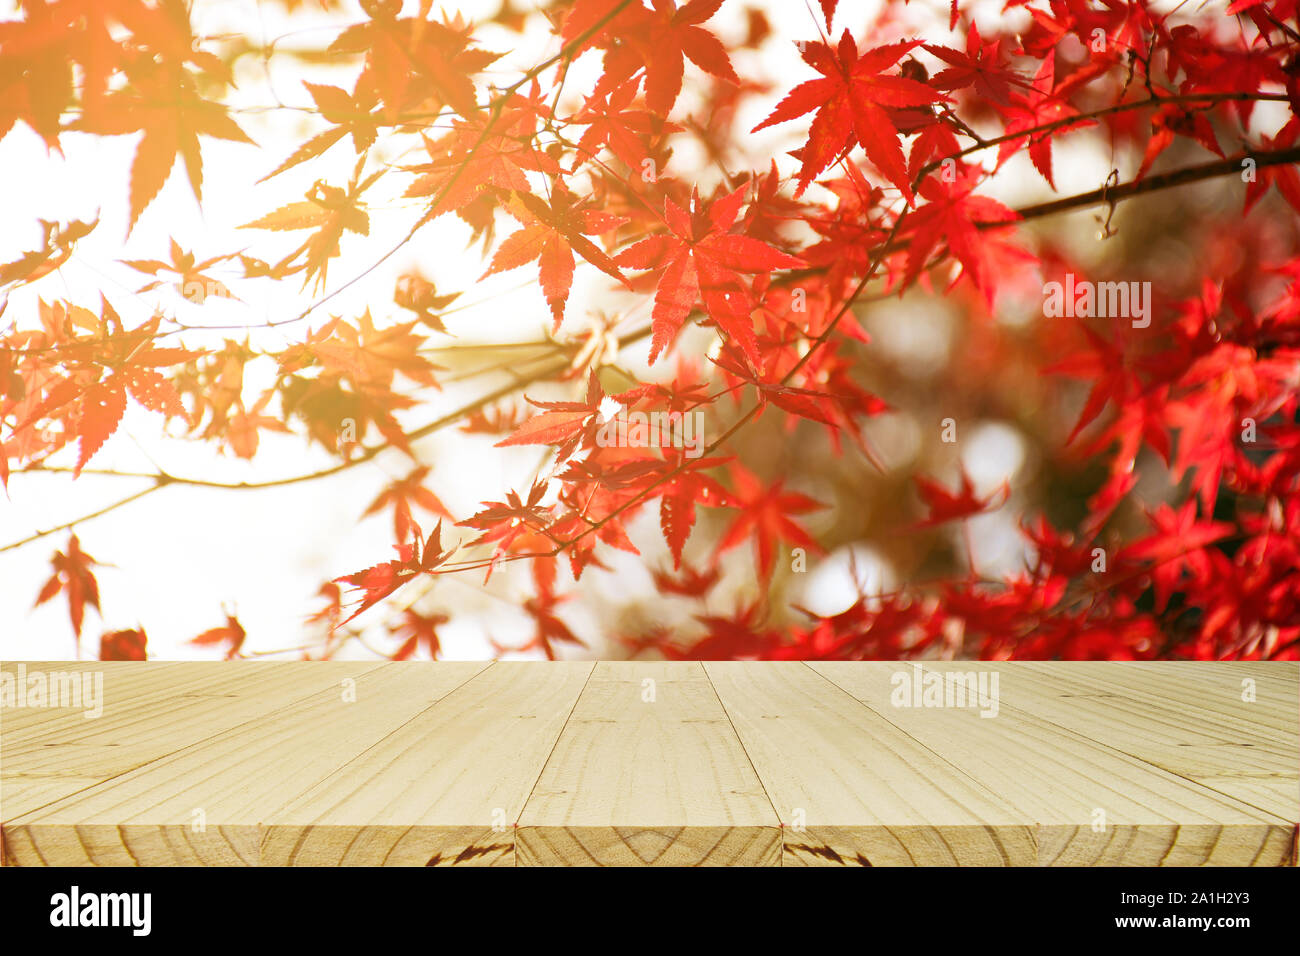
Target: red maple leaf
[
  {"x": 979, "y": 66},
  {"x": 564, "y": 424},
  {"x": 690, "y": 583},
  {"x": 333, "y": 609},
  {"x": 945, "y": 505},
  {"x": 1044, "y": 104},
  {"x": 73, "y": 576},
  {"x": 1284, "y": 176},
  {"x": 381, "y": 580},
  {"x": 128, "y": 645},
  {"x": 680, "y": 495},
  {"x": 741, "y": 635},
  {"x": 1107, "y": 367},
  {"x": 851, "y": 99},
  {"x": 614, "y": 123},
  {"x": 764, "y": 516},
  {"x": 1176, "y": 547},
  {"x": 1173, "y": 120},
  {"x": 950, "y": 216},
  {"x": 480, "y": 155},
  {"x": 420, "y": 630},
  {"x": 91, "y": 403},
  {"x": 409, "y": 60},
  {"x": 401, "y": 494},
  {"x": 657, "y": 41},
  {"x": 549, "y": 626},
  {"x": 551, "y": 234},
  {"x": 351, "y": 112},
  {"x": 231, "y": 634},
  {"x": 702, "y": 259},
  {"x": 505, "y": 521},
  {"x": 163, "y": 101},
  {"x": 330, "y": 211},
  {"x": 802, "y": 402}
]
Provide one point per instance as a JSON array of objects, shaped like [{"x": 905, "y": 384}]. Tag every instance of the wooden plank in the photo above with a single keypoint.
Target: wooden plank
[
  {"x": 1202, "y": 731},
  {"x": 1278, "y": 795},
  {"x": 643, "y": 763},
  {"x": 445, "y": 788},
  {"x": 851, "y": 788},
  {"x": 136, "y": 697},
  {"x": 1202, "y": 689},
  {"x": 648, "y": 771},
  {"x": 183, "y": 707},
  {"x": 1091, "y": 805},
  {"x": 1287, "y": 672},
  {"x": 1196, "y": 712},
  {"x": 205, "y": 804},
  {"x": 124, "y": 679}
]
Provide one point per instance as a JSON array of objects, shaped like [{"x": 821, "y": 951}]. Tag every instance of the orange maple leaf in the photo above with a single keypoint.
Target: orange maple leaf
[
  {"x": 163, "y": 102},
  {"x": 73, "y": 576}
]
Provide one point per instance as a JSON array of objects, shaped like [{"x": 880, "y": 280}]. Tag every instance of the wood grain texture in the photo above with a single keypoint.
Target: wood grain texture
[
  {"x": 649, "y": 771},
  {"x": 444, "y": 789},
  {"x": 1191, "y": 723},
  {"x": 149, "y": 712},
  {"x": 205, "y": 803},
  {"x": 654, "y": 763},
  {"x": 852, "y": 788},
  {"x": 1213, "y": 695},
  {"x": 1091, "y": 804},
  {"x": 124, "y": 684}
]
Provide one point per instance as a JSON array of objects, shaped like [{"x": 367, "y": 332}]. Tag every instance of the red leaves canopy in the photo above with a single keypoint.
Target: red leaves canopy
[{"x": 1159, "y": 461}]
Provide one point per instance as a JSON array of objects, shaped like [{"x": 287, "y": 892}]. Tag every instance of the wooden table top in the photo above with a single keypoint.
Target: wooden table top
[{"x": 649, "y": 763}]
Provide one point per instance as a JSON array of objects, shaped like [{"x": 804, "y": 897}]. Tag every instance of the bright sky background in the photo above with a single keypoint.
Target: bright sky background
[{"x": 182, "y": 552}]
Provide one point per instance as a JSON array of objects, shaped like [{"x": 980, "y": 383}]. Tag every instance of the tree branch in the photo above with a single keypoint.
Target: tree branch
[
  {"x": 1151, "y": 101},
  {"x": 159, "y": 483},
  {"x": 891, "y": 245}
]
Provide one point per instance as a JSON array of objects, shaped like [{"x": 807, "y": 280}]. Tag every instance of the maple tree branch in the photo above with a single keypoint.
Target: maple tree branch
[
  {"x": 369, "y": 452},
  {"x": 160, "y": 482},
  {"x": 863, "y": 240},
  {"x": 641, "y": 496},
  {"x": 1284, "y": 27},
  {"x": 497, "y": 108},
  {"x": 1113, "y": 109},
  {"x": 1136, "y": 187},
  {"x": 891, "y": 245},
  {"x": 1106, "y": 194},
  {"x": 496, "y": 111}
]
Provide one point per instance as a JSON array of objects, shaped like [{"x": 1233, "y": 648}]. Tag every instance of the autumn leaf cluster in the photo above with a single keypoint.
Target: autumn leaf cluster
[{"x": 750, "y": 233}]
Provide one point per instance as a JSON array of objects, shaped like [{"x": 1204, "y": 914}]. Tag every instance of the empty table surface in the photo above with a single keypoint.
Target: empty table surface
[{"x": 649, "y": 763}]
